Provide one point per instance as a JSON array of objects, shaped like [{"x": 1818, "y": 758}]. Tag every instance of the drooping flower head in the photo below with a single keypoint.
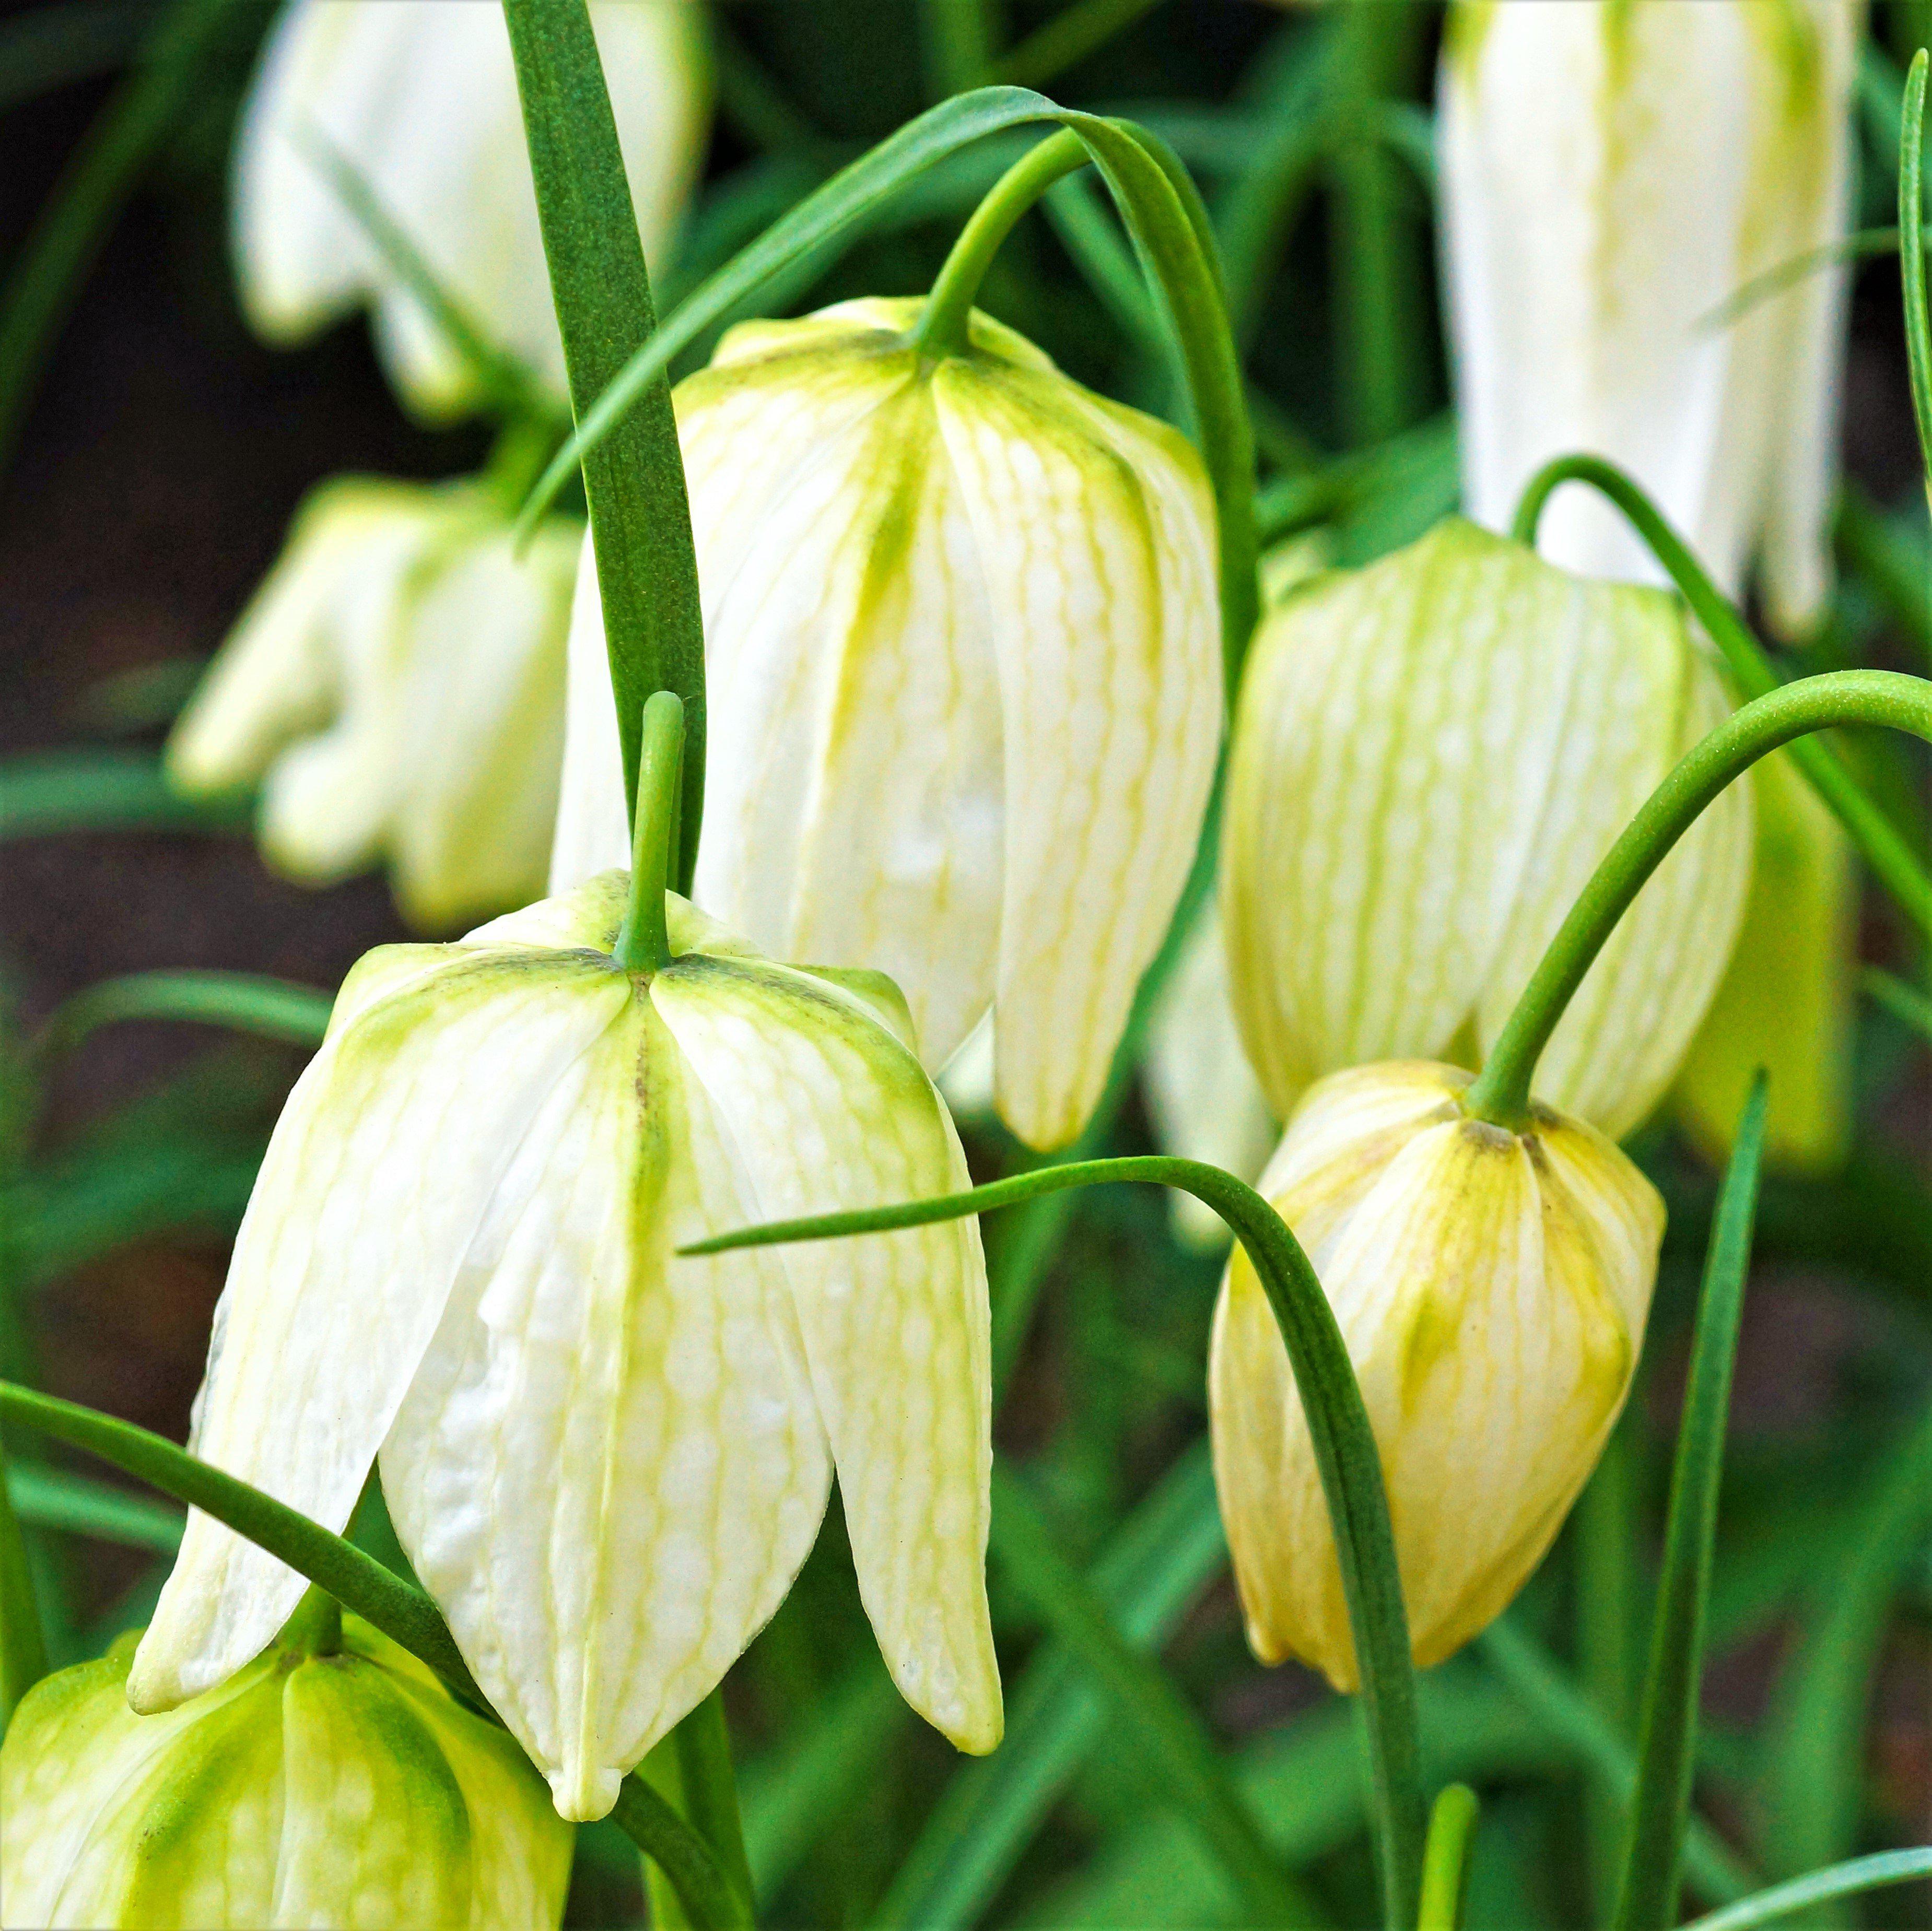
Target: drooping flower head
[
  {"x": 1492, "y": 1288},
  {"x": 1431, "y": 756},
  {"x": 963, "y": 665},
  {"x": 396, "y": 687},
  {"x": 419, "y": 97},
  {"x": 605, "y": 1460},
  {"x": 338, "y": 1787},
  {"x": 1614, "y": 171}
]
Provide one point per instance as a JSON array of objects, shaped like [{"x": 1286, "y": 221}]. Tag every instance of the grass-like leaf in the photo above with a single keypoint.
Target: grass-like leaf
[
  {"x": 1820, "y": 1886},
  {"x": 23, "y": 1649},
  {"x": 43, "y": 794},
  {"x": 1912, "y": 255},
  {"x": 270, "y": 1008},
  {"x": 52, "y": 1498},
  {"x": 1660, "y": 1807}
]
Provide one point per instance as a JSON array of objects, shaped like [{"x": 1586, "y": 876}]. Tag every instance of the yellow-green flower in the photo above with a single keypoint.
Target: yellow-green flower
[
  {"x": 419, "y": 98},
  {"x": 1492, "y": 1288},
  {"x": 1430, "y": 757},
  {"x": 310, "y": 1791},
  {"x": 605, "y": 1459},
  {"x": 963, "y": 678},
  {"x": 396, "y": 687},
  {"x": 1613, "y": 171}
]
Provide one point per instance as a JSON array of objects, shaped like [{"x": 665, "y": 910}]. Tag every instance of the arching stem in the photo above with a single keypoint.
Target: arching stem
[
  {"x": 1911, "y": 256},
  {"x": 1894, "y": 862},
  {"x": 643, "y": 942},
  {"x": 1501, "y": 1091},
  {"x": 942, "y": 326}
]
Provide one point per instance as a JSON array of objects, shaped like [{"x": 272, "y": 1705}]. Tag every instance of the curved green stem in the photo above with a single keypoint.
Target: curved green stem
[
  {"x": 1894, "y": 862},
  {"x": 1911, "y": 256},
  {"x": 1445, "y": 1862},
  {"x": 23, "y": 1649},
  {"x": 1501, "y": 1091},
  {"x": 1345, "y": 1449},
  {"x": 316, "y": 1627},
  {"x": 941, "y": 327},
  {"x": 644, "y": 945},
  {"x": 358, "y": 1582},
  {"x": 245, "y": 1002}
]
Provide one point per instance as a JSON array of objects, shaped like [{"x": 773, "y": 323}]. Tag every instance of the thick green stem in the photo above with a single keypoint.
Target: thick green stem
[
  {"x": 1897, "y": 866},
  {"x": 1501, "y": 1091},
  {"x": 315, "y": 1629},
  {"x": 1344, "y": 1444},
  {"x": 23, "y": 1649},
  {"x": 644, "y": 944},
  {"x": 1445, "y": 1862},
  {"x": 633, "y": 479},
  {"x": 941, "y": 329},
  {"x": 1911, "y": 256}
]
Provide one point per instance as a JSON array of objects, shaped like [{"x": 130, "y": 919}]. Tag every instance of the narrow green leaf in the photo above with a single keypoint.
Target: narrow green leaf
[
  {"x": 52, "y": 1498},
  {"x": 1660, "y": 1807},
  {"x": 1071, "y": 34},
  {"x": 43, "y": 793},
  {"x": 1604, "y": 1535},
  {"x": 270, "y": 1008},
  {"x": 23, "y": 1649},
  {"x": 1163, "y": 1730},
  {"x": 1819, "y": 1887},
  {"x": 1892, "y": 552},
  {"x": 1445, "y": 1863},
  {"x": 361, "y": 1584},
  {"x": 69, "y": 231},
  {"x": 1911, "y": 256},
  {"x": 1913, "y": 1009},
  {"x": 1535, "y": 1676},
  {"x": 1152, "y": 1569},
  {"x": 633, "y": 477},
  {"x": 1344, "y": 1445}
]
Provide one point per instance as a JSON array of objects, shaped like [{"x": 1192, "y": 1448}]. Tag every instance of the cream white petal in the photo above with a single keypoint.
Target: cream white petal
[
  {"x": 592, "y": 832},
  {"x": 376, "y": 1177},
  {"x": 610, "y": 1465},
  {"x": 826, "y": 1113},
  {"x": 1094, "y": 535}
]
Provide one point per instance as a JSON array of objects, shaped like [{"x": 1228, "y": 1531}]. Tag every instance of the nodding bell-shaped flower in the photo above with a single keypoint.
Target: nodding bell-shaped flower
[
  {"x": 419, "y": 98},
  {"x": 964, "y": 666},
  {"x": 1614, "y": 171},
  {"x": 1787, "y": 1002},
  {"x": 337, "y": 1786},
  {"x": 1431, "y": 755},
  {"x": 1492, "y": 1288},
  {"x": 397, "y": 688},
  {"x": 605, "y": 1459}
]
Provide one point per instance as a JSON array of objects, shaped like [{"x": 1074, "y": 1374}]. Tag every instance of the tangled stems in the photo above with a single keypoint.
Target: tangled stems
[
  {"x": 1889, "y": 856},
  {"x": 1501, "y": 1091},
  {"x": 1338, "y": 1423}
]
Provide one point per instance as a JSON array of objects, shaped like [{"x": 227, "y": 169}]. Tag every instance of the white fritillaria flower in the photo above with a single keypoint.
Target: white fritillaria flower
[
  {"x": 963, "y": 656},
  {"x": 397, "y": 689},
  {"x": 419, "y": 98},
  {"x": 344, "y": 1787},
  {"x": 1613, "y": 171},
  {"x": 1430, "y": 758},
  {"x": 606, "y": 1460},
  {"x": 1492, "y": 1288}
]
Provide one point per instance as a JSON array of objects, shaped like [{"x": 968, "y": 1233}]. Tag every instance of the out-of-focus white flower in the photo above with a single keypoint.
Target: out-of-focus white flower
[
  {"x": 605, "y": 1460},
  {"x": 1202, "y": 1096},
  {"x": 397, "y": 688},
  {"x": 1431, "y": 756},
  {"x": 1787, "y": 1002},
  {"x": 419, "y": 97},
  {"x": 1492, "y": 1288},
  {"x": 1613, "y": 171},
  {"x": 964, "y": 680},
  {"x": 343, "y": 1787}
]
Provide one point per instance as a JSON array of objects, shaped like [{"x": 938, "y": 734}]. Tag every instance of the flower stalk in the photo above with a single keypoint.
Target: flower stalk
[
  {"x": 1445, "y": 1862},
  {"x": 23, "y": 1649},
  {"x": 1501, "y": 1093},
  {"x": 644, "y": 944}
]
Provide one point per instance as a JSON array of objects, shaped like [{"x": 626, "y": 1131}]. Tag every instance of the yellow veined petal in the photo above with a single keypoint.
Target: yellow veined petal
[
  {"x": 1787, "y": 1002},
  {"x": 379, "y": 1170},
  {"x": 609, "y": 1466},
  {"x": 1093, "y": 528},
  {"x": 827, "y": 1111}
]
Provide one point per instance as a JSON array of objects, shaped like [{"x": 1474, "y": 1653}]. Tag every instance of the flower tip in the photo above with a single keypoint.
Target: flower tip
[{"x": 582, "y": 1794}]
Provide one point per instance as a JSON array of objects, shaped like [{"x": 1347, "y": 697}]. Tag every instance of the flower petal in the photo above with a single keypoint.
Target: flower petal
[{"x": 828, "y": 1112}]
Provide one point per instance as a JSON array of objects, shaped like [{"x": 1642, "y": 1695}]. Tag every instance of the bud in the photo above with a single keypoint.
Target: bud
[
  {"x": 1431, "y": 757},
  {"x": 964, "y": 680},
  {"x": 1492, "y": 1288},
  {"x": 1612, "y": 174},
  {"x": 605, "y": 1460},
  {"x": 1787, "y": 1004},
  {"x": 420, "y": 98},
  {"x": 334, "y": 1789},
  {"x": 396, "y": 687}
]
